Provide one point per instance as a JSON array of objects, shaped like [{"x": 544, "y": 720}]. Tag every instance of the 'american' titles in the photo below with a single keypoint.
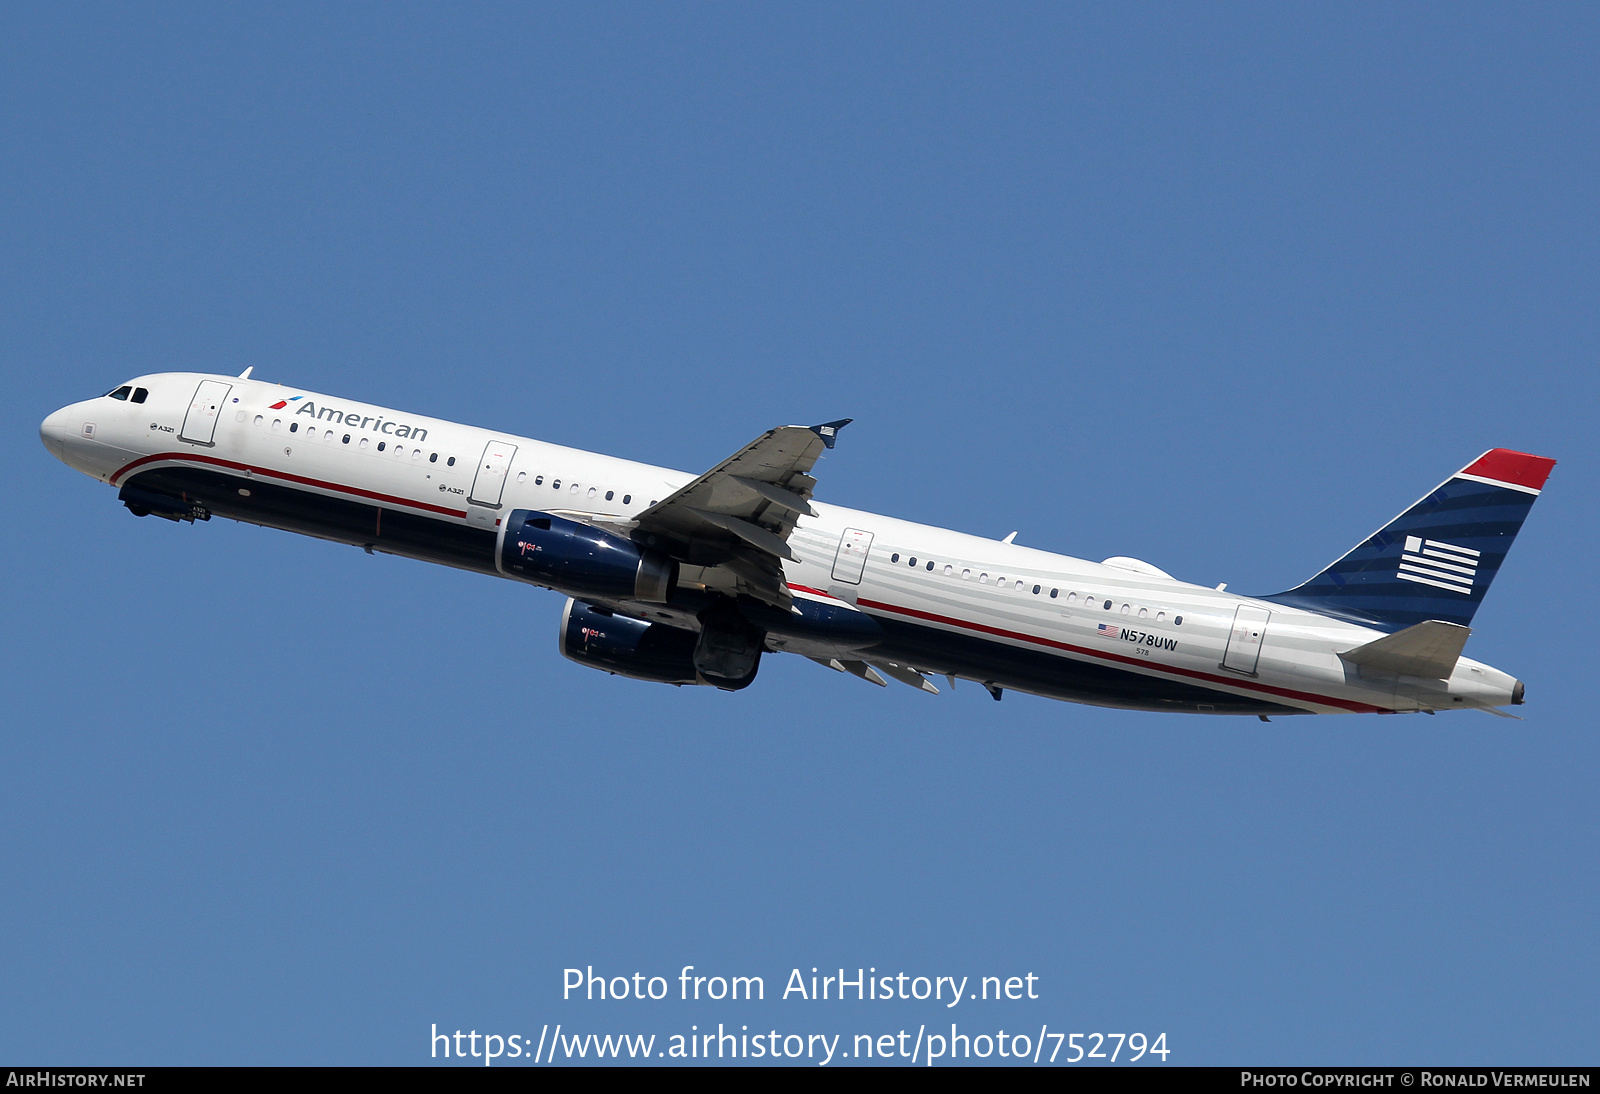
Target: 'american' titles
[{"x": 369, "y": 423}]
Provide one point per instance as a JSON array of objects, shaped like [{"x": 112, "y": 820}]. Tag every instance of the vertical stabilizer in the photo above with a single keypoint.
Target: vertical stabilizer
[{"x": 1437, "y": 559}]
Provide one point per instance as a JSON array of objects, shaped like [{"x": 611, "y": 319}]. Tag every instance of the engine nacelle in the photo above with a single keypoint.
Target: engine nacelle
[
  {"x": 725, "y": 654},
  {"x": 581, "y": 559},
  {"x": 603, "y": 640}
]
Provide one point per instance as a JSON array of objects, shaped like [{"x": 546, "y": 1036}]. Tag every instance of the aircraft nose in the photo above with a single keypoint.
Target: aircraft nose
[{"x": 53, "y": 432}]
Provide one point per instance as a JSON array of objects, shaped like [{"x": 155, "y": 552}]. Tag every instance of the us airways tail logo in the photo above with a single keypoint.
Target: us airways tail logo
[{"x": 1442, "y": 565}]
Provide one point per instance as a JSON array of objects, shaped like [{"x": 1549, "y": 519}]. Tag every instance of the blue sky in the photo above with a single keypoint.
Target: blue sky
[{"x": 1222, "y": 288}]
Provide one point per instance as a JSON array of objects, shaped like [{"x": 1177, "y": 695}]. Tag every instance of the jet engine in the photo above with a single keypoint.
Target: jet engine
[
  {"x": 580, "y": 559},
  {"x": 619, "y": 644},
  {"x": 725, "y": 654}
]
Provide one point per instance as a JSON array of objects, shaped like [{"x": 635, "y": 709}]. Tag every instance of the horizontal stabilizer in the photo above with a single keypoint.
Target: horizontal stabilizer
[{"x": 1430, "y": 649}]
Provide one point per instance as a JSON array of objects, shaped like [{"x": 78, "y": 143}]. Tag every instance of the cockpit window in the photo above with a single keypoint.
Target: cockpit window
[
  {"x": 121, "y": 392},
  {"x": 140, "y": 394}
]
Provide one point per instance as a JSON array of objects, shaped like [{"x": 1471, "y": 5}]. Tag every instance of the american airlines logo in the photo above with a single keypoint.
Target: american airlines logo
[{"x": 1442, "y": 565}]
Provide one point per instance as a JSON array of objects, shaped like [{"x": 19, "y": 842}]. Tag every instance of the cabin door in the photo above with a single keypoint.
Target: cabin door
[
  {"x": 851, "y": 558},
  {"x": 490, "y": 481},
  {"x": 1244, "y": 641},
  {"x": 200, "y": 424}
]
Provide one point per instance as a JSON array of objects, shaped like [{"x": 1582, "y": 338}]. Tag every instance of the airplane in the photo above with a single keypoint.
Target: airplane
[{"x": 688, "y": 580}]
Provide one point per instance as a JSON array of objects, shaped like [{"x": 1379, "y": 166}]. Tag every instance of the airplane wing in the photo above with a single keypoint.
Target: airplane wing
[{"x": 733, "y": 522}]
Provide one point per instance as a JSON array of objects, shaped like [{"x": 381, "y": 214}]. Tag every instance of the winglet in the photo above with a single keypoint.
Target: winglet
[{"x": 829, "y": 431}]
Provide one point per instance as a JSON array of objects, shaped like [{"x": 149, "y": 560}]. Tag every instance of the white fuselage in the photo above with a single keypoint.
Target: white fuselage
[{"x": 1014, "y": 601}]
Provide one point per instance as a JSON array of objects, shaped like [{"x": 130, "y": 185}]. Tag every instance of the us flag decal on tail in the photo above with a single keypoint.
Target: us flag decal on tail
[{"x": 1442, "y": 565}]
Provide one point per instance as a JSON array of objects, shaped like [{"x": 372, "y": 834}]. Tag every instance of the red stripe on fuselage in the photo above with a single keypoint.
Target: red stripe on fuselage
[
  {"x": 370, "y": 495},
  {"x": 983, "y": 628}
]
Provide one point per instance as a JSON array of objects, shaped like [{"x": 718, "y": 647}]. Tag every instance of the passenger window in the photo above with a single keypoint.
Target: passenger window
[
  {"x": 416, "y": 453},
  {"x": 1000, "y": 582},
  {"x": 1108, "y": 605},
  {"x": 327, "y": 436},
  {"x": 948, "y": 569},
  {"x": 1125, "y": 609},
  {"x": 433, "y": 457},
  {"x": 591, "y": 492},
  {"x": 380, "y": 443},
  {"x": 1070, "y": 597},
  {"x": 627, "y": 499},
  {"x": 522, "y": 476},
  {"x": 238, "y": 415},
  {"x": 538, "y": 480},
  {"x": 363, "y": 442},
  {"x": 573, "y": 489},
  {"x": 1036, "y": 590},
  {"x": 966, "y": 575},
  {"x": 983, "y": 579},
  {"x": 610, "y": 494},
  {"x": 895, "y": 557},
  {"x": 1161, "y": 617},
  {"x": 1177, "y": 621},
  {"x": 140, "y": 394},
  {"x": 451, "y": 462},
  {"x": 276, "y": 422},
  {"x": 346, "y": 439},
  {"x": 120, "y": 393},
  {"x": 930, "y": 567},
  {"x": 555, "y": 484},
  {"x": 294, "y": 427},
  {"x": 1053, "y": 593},
  {"x": 913, "y": 561},
  {"x": 260, "y": 418},
  {"x": 1143, "y": 612}
]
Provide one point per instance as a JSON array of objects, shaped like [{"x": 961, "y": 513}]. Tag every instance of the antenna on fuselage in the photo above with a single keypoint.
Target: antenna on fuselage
[{"x": 245, "y": 375}]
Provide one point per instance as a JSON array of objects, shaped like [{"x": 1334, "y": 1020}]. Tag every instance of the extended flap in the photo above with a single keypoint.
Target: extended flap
[{"x": 1430, "y": 649}]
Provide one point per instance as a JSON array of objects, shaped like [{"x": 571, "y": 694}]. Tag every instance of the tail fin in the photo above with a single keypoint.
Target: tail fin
[{"x": 1435, "y": 560}]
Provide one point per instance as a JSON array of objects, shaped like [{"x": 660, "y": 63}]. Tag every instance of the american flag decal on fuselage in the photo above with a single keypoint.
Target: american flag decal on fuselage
[{"x": 1442, "y": 565}]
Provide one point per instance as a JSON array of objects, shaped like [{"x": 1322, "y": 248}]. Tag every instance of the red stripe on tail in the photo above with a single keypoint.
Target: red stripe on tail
[{"x": 1516, "y": 468}]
